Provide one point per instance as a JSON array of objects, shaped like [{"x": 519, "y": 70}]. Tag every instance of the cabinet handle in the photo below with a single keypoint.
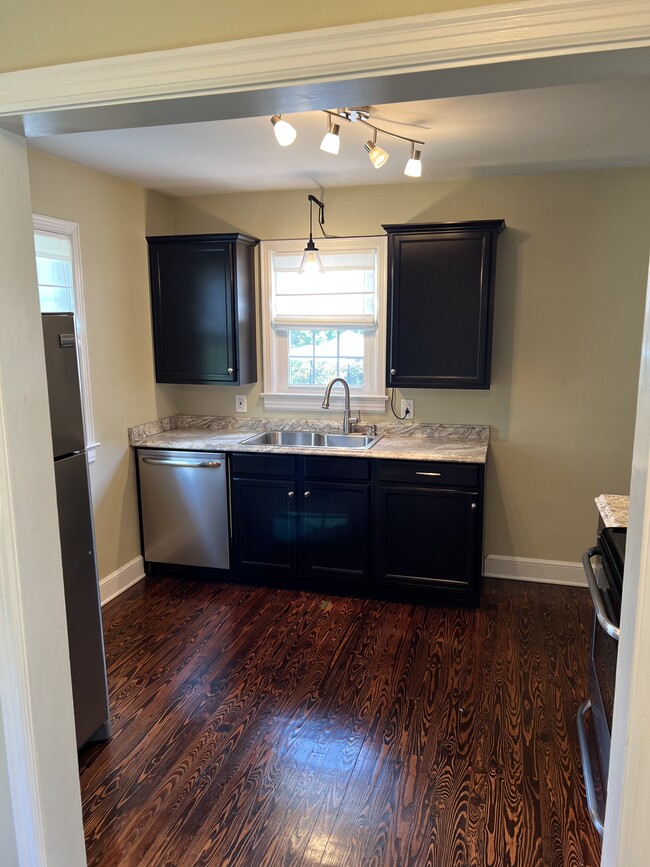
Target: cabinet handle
[
  {"x": 429, "y": 474},
  {"x": 230, "y": 369},
  {"x": 393, "y": 371},
  {"x": 473, "y": 506},
  {"x": 291, "y": 495},
  {"x": 307, "y": 494}
]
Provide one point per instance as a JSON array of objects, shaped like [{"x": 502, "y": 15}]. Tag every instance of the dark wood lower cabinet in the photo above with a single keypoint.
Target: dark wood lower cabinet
[
  {"x": 428, "y": 539},
  {"x": 312, "y": 527},
  {"x": 399, "y": 529},
  {"x": 336, "y": 524},
  {"x": 266, "y": 523}
]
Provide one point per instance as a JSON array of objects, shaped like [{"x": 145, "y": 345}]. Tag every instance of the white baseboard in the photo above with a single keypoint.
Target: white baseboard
[
  {"x": 527, "y": 569},
  {"x": 120, "y": 580}
]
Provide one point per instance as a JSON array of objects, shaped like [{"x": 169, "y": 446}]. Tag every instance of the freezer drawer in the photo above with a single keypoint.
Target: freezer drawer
[
  {"x": 184, "y": 508},
  {"x": 83, "y": 609}
]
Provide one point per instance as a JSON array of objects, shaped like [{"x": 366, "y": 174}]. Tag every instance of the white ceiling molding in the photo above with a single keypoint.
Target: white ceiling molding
[{"x": 467, "y": 37}]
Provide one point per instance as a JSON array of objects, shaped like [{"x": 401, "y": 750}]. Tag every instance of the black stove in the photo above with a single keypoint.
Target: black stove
[
  {"x": 611, "y": 544},
  {"x": 604, "y": 565}
]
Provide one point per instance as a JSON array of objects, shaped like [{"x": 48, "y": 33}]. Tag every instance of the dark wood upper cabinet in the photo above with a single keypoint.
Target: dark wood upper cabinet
[
  {"x": 440, "y": 303},
  {"x": 203, "y": 308}
]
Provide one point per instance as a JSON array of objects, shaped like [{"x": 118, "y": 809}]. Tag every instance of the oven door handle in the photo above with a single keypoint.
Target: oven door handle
[
  {"x": 587, "y": 773},
  {"x": 601, "y": 614}
]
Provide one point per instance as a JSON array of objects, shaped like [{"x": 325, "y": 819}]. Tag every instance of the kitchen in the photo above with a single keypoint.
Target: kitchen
[{"x": 599, "y": 212}]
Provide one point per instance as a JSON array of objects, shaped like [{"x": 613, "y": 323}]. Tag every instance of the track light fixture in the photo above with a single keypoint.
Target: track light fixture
[
  {"x": 286, "y": 134},
  {"x": 311, "y": 261}
]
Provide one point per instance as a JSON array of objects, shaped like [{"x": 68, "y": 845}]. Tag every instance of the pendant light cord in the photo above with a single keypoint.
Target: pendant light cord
[{"x": 321, "y": 217}]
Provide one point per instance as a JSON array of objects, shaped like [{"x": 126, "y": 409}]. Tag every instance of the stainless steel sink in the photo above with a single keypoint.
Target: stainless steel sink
[{"x": 309, "y": 439}]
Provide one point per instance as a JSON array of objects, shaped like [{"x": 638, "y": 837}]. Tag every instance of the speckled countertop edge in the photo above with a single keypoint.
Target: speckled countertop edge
[
  {"x": 613, "y": 509},
  {"x": 453, "y": 443}
]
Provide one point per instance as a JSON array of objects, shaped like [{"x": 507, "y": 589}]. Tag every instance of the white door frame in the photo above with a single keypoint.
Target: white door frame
[{"x": 440, "y": 53}]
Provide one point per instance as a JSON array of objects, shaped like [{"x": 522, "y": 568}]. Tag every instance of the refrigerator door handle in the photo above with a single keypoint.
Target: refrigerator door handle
[{"x": 169, "y": 462}]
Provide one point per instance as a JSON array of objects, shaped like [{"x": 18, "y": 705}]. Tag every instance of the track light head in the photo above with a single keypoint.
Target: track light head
[
  {"x": 378, "y": 156},
  {"x": 413, "y": 167},
  {"x": 284, "y": 132},
  {"x": 331, "y": 140}
]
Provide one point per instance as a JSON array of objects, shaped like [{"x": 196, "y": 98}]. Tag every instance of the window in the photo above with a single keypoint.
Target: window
[
  {"x": 58, "y": 269},
  {"x": 320, "y": 326}
]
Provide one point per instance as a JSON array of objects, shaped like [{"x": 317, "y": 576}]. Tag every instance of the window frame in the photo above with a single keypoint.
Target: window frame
[
  {"x": 57, "y": 226},
  {"x": 277, "y": 394}
]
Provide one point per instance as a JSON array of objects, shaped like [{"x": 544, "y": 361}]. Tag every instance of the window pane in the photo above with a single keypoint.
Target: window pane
[
  {"x": 301, "y": 371},
  {"x": 54, "y": 272},
  {"x": 317, "y": 356},
  {"x": 326, "y": 369}
]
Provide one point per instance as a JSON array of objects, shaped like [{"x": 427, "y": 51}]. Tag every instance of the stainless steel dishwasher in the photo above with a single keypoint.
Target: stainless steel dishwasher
[{"x": 184, "y": 507}]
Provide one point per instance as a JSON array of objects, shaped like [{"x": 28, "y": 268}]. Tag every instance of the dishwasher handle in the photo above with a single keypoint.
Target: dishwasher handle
[
  {"x": 601, "y": 614},
  {"x": 174, "y": 462}
]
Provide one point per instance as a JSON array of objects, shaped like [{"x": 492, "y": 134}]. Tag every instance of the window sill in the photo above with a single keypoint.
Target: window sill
[{"x": 282, "y": 401}]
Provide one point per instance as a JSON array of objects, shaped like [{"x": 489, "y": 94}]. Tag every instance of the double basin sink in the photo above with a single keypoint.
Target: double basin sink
[{"x": 310, "y": 440}]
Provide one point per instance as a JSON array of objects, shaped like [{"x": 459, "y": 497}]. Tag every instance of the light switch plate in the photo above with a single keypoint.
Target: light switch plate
[{"x": 240, "y": 403}]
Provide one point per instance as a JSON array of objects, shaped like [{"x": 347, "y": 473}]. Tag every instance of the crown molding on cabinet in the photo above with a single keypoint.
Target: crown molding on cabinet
[{"x": 467, "y": 37}]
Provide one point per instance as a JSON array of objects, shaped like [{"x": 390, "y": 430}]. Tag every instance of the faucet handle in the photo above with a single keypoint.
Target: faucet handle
[{"x": 355, "y": 419}]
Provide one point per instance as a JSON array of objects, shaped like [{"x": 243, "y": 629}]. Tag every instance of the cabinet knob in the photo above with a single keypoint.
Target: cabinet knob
[
  {"x": 307, "y": 494},
  {"x": 291, "y": 495},
  {"x": 231, "y": 370},
  {"x": 474, "y": 506},
  {"x": 393, "y": 371}
]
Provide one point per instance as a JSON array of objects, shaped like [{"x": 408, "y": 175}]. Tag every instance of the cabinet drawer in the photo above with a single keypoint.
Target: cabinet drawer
[
  {"x": 429, "y": 473},
  {"x": 280, "y": 466},
  {"x": 357, "y": 469}
]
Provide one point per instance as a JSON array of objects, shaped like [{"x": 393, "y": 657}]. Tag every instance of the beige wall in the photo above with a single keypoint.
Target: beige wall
[
  {"x": 572, "y": 269},
  {"x": 114, "y": 216},
  {"x": 7, "y": 835},
  {"x": 40, "y": 33}
]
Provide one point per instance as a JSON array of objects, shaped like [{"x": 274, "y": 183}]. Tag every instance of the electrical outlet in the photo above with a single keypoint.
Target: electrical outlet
[
  {"x": 240, "y": 403},
  {"x": 407, "y": 408}
]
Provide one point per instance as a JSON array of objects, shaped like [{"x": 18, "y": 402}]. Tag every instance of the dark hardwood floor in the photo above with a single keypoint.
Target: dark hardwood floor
[{"x": 256, "y": 726}]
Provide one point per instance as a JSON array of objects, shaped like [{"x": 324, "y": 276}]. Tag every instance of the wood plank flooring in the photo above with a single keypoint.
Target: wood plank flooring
[{"x": 255, "y": 726}]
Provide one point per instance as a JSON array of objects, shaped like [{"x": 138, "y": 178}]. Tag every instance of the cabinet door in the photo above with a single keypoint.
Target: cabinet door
[
  {"x": 429, "y": 537},
  {"x": 440, "y": 307},
  {"x": 264, "y": 527},
  {"x": 192, "y": 306},
  {"x": 336, "y": 525}
]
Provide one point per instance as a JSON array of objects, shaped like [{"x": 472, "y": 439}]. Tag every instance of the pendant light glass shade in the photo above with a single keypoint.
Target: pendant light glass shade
[
  {"x": 311, "y": 261},
  {"x": 331, "y": 140},
  {"x": 377, "y": 155},
  {"x": 414, "y": 164},
  {"x": 284, "y": 132}
]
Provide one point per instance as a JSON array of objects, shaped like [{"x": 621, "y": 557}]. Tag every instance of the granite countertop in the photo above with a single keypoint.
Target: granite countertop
[
  {"x": 453, "y": 443},
  {"x": 613, "y": 509}
]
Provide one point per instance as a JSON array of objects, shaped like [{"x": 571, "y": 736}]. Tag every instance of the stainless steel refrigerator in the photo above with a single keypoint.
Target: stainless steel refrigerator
[{"x": 82, "y": 602}]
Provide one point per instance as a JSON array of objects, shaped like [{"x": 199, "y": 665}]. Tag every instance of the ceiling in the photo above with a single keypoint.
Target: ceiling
[{"x": 588, "y": 126}]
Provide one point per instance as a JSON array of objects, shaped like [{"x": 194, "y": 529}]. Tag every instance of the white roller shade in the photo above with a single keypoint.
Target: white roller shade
[{"x": 342, "y": 297}]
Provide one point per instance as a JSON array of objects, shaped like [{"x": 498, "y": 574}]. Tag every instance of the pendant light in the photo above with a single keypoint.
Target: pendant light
[
  {"x": 378, "y": 156},
  {"x": 331, "y": 140},
  {"x": 413, "y": 167},
  {"x": 311, "y": 261},
  {"x": 284, "y": 132}
]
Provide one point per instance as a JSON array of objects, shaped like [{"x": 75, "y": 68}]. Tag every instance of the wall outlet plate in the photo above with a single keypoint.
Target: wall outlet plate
[
  {"x": 407, "y": 405},
  {"x": 240, "y": 403}
]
